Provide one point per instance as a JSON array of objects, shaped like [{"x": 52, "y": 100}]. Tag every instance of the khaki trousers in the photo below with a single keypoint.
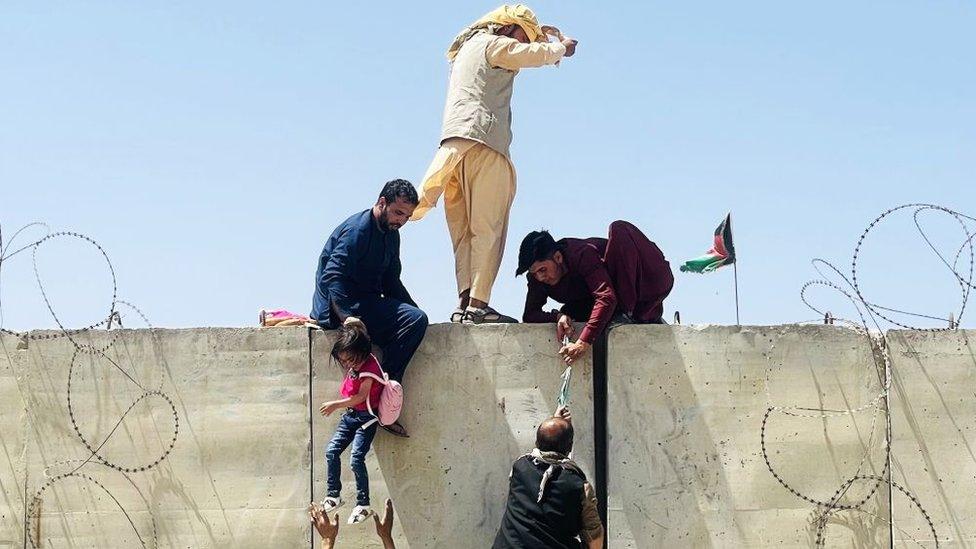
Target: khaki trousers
[{"x": 478, "y": 184}]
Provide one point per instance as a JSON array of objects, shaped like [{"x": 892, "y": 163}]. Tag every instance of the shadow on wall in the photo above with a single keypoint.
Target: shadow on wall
[
  {"x": 169, "y": 489},
  {"x": 934, "y": 424},
  {"x": 13, "y": 474},
  {"x": 78, "y": 397},
  {"x": 225, "y": 480},
  {"x": 686, "y": 404},
  {"x": 656, "y": 478},
  {"x": 473, "y": 399},
  {"x": 450, "y": 466},
  {"x": 695, "y": 475}
]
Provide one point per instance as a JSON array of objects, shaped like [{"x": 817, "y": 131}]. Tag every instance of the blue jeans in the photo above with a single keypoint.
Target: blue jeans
[{"x": 349, "y": 432}]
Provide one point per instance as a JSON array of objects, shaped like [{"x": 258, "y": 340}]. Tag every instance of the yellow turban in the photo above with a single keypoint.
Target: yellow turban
[{"x": 519, "y": 14}]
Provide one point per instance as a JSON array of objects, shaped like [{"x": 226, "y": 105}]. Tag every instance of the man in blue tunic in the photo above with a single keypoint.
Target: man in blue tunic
[{"x": 359, "y": 275}]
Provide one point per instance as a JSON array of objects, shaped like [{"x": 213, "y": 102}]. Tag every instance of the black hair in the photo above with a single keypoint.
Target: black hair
[
  {"x": 555, "y": 435},
  {"x": 353, "y": 340},
  {"x": 536, "y": 246},
  {"x": 399, "y": 188}
]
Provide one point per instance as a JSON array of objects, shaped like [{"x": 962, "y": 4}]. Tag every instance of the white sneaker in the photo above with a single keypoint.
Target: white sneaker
[
  {"x": 359, "y": 514},
  {"x": 331, "y": 504}
]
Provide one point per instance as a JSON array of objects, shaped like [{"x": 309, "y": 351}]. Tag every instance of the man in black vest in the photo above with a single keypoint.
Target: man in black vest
[{"x": 550, "y": 504}]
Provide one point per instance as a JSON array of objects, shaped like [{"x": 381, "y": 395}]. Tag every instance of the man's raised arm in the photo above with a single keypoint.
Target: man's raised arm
[{"x": 509, "y": 53}]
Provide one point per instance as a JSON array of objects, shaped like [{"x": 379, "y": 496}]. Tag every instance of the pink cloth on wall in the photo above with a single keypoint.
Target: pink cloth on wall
[{"x": 281, "y": 317}]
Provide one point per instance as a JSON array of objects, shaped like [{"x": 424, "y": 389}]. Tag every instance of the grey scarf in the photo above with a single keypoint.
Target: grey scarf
[{"x": 553, "y": 460}]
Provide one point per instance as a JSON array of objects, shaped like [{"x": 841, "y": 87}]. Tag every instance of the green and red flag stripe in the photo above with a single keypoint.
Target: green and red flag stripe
[{"x": 721, "y": 254}]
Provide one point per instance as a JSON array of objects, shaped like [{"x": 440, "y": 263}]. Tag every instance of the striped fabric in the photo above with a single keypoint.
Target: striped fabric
[{"x": 721, "y": 254}]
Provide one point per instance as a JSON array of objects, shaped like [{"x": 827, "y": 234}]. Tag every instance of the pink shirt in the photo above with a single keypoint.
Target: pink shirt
[{"x": 352, "y": 381}]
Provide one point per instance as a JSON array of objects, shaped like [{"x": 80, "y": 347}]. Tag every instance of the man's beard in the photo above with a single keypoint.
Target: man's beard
[{"x": 384, "y": 222}]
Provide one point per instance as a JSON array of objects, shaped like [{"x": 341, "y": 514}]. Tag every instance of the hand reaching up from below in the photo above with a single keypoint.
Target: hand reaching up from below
[
  {"x": 326, "y": 528},
  {"x": 384, "y": 528}
]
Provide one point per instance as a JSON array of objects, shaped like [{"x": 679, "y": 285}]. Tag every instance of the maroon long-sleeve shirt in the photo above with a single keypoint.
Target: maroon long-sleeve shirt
[
  {"x": 627, "y": 273},
  {"x": 585, "y": 291}
]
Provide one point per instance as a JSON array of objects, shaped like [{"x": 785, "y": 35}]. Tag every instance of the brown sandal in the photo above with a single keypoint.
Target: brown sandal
[
  {"x": 396, "y": 429},
  {"x": 486, "y": 315}
]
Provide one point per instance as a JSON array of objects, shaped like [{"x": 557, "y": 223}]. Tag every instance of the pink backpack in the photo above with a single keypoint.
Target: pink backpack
[{"x": 391, "y": 399}]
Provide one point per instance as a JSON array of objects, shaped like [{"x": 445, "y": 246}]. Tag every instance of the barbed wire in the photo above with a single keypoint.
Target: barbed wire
[
  {"x": 111, "y": 324},
  {"x": 869, "y": 314},
  {"x": 869, "y": 324}
]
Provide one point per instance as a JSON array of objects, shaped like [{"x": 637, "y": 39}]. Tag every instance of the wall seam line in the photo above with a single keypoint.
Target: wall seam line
[
  {"x": 600, "y": 423},
  {"x": 890, "y": 449},
  {"x": 311, "y": 439}
]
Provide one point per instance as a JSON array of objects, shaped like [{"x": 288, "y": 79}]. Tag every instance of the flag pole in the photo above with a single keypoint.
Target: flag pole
[
  {"x": 735, "y": 271},
  {"x": 735, "y": 275}
]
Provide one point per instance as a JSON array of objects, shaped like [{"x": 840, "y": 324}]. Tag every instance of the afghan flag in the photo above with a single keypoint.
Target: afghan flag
[{"x": 721, "y": 254}]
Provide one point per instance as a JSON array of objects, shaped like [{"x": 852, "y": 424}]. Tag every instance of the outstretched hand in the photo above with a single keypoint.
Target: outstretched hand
[
  {"x": 328, "y": 408},
  {"x": 573, "y": 351},
  {"x": 564, "y": 328},
  {"x": 563, "y": 413},
  {"x": 570, "y": 44},
  {"x": 326, "y": 528},
  {"x": 353, "y": 321},
  {"x": 384, "y": 528}
]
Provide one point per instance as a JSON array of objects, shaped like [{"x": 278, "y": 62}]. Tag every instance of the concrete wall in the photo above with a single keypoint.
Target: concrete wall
[
  {"x": 686, "y": 410},
  {"x": 13, "y": 441},
  {"x": 239, "y": 469},
  {"x": 934, "y": 436},
  {"x": 475, "y": 396},
  {"x": 686, "y": 407}
]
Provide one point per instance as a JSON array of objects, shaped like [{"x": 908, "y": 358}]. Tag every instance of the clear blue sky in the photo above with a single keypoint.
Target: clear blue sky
[{"x": 211, "y": 147}]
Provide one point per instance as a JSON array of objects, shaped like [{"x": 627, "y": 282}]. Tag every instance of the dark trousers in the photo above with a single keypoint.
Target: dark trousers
[
  {"x": 349, "y": 432},
  {"x": 396, "y": 327}
]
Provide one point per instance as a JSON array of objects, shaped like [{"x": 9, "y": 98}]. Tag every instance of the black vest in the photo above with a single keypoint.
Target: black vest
[{"x": 553, "y": 524}]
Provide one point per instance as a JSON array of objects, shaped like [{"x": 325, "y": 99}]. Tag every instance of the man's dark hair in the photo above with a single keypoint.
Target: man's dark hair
[
  {"x": 399, "y": 188},
  {"x": 555, "y": 435},
  {"x": 536, "y": 246}
]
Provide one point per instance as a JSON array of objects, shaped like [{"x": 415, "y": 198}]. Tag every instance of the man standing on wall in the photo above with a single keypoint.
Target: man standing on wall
[
  {"x": 623, "y": 279},
  {"x": 472, "y": 167},
  {"x": 358, "y": 275}
]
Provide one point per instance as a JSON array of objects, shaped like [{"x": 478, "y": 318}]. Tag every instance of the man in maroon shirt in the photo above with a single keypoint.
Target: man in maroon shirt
[{"x": 623, "y": 278}]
